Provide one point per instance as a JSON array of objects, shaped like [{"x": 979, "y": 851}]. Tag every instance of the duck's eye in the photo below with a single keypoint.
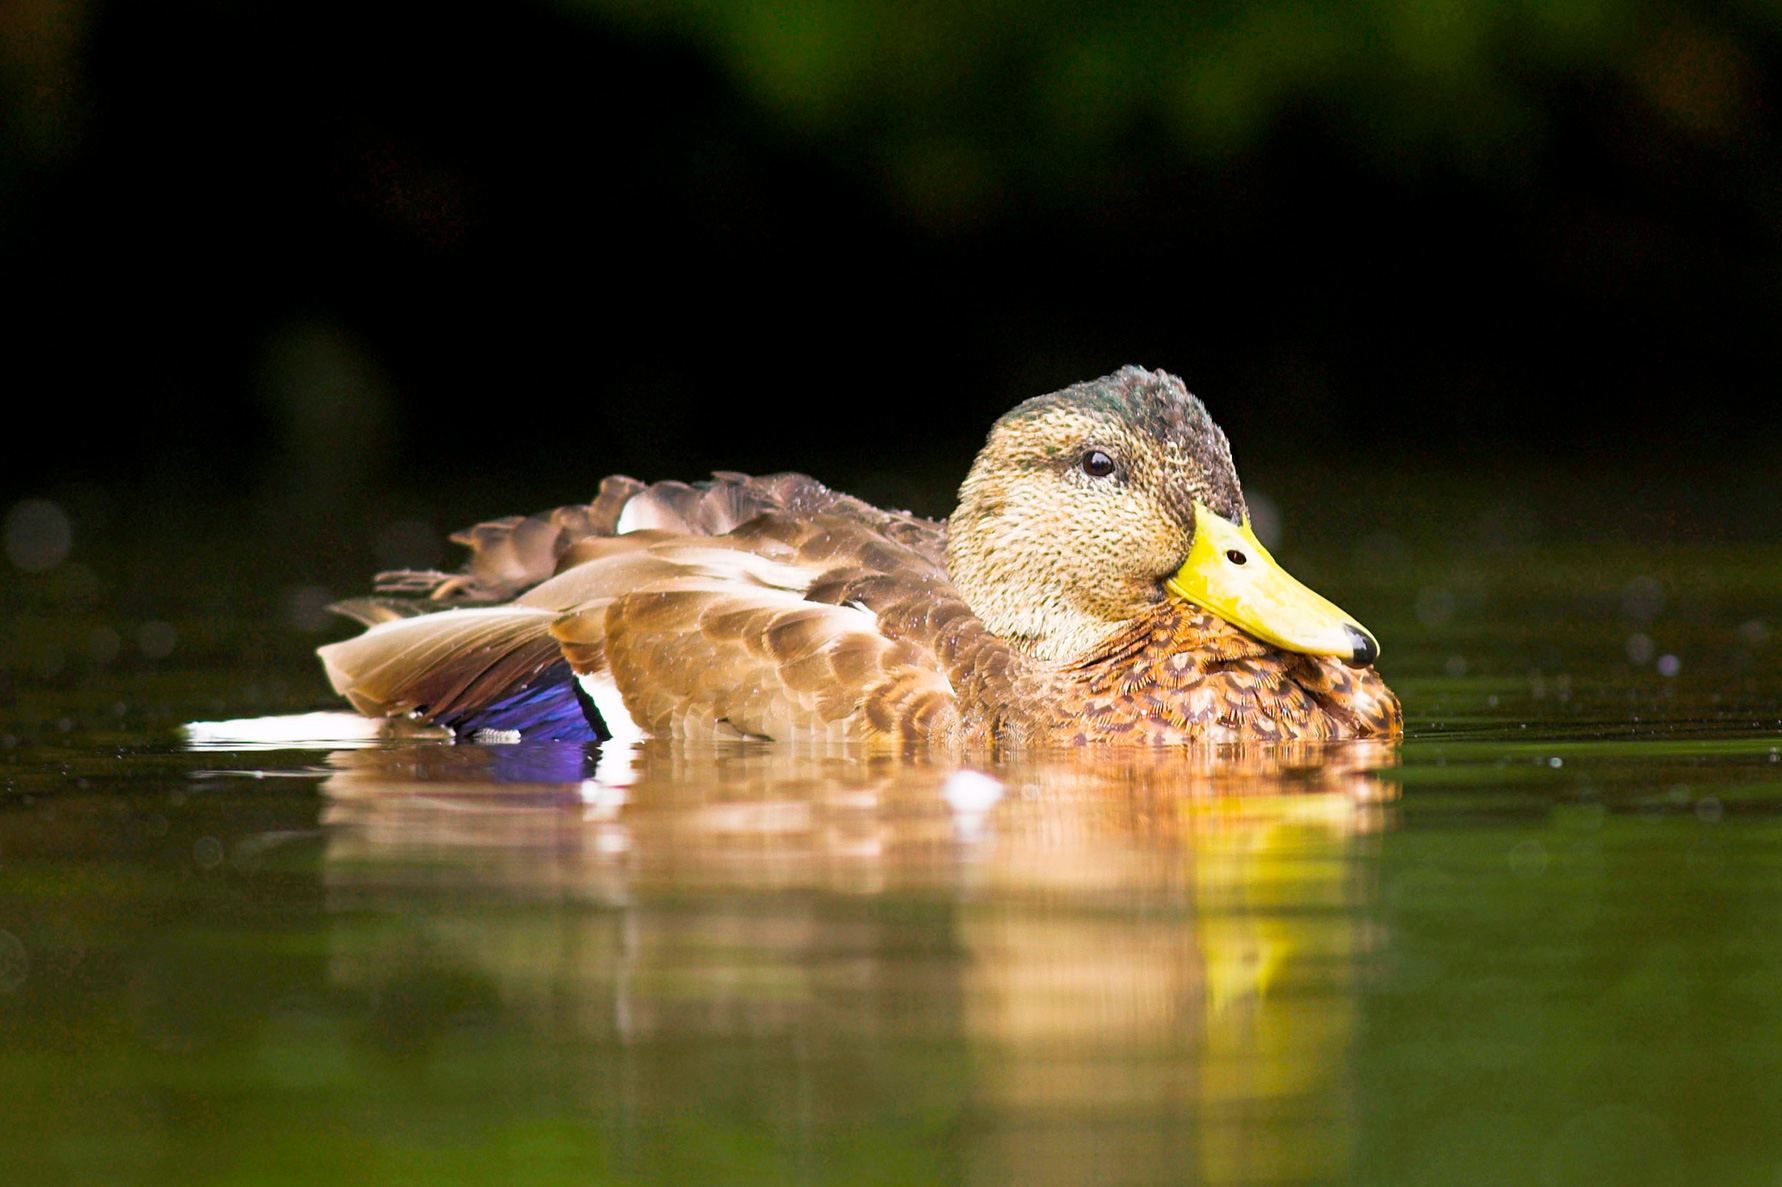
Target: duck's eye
[
  {"x": 1236, "y": 557},
  {"x": 1097, "y": 464}
]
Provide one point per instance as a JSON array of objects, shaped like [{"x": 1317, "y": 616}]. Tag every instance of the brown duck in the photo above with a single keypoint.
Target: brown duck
[{"x": 1099, "y": 583}]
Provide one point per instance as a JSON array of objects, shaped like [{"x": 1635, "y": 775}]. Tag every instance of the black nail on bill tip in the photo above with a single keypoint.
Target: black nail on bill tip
[{"x": 1366, "y": 650}]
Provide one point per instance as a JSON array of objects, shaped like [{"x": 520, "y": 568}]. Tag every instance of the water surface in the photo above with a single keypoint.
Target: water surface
[{"x": 1535, "y": 943}]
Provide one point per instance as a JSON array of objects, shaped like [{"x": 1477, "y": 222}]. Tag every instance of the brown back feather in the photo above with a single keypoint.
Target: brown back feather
[{"x": 514, "y": 553}]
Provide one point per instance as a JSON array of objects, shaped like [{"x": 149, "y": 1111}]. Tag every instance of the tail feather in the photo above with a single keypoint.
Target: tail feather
[{"x": 439, "y": 666}]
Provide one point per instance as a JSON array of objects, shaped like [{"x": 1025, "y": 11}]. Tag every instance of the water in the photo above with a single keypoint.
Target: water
[{"x": 1535, "y": 943}]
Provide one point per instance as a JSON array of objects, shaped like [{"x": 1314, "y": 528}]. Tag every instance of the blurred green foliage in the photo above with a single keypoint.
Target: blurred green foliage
[
  {"x": 953, "y": 102},
  {"x": 956, "y": 103}
]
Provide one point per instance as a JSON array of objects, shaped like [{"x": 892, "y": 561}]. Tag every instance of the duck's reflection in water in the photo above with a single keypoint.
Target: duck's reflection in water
[{"x": 1102, "y": 968}]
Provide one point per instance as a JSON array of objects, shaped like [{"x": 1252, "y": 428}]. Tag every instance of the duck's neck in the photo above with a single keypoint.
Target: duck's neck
[{"x": 1022, "y": 591}]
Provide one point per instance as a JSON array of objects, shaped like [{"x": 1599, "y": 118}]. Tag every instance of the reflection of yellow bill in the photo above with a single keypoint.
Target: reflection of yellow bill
[{"x": 1229, "y": 572}]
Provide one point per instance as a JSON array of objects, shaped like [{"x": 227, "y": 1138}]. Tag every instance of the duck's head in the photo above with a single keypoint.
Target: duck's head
[{"x": 1088, "y": 507}]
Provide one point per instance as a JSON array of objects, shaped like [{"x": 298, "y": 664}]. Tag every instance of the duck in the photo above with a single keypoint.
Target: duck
[{"x": 1099, "y": 584}]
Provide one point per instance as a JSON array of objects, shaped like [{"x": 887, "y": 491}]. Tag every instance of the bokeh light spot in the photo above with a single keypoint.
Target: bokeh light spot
[
  {"x": 1529, "y": 858},
  {"x": 306, "y": 608},
  {"x": 208, "y": 852},
  {"x": 157, "y": 639},
  {"x": 103, "y": 645},
  {"x": 1435, "y": 606},
  {"x": 37, "y": 535}
]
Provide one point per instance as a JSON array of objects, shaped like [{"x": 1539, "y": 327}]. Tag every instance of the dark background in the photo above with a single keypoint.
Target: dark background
[{"x": 426, "y": 262}]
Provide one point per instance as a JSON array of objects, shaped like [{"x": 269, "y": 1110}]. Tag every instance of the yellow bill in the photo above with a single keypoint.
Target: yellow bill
[{"x": 1230, "y": 573}]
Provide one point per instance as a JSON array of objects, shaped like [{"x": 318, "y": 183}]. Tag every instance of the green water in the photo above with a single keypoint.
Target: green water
[{"x": 1537, "y": 943}]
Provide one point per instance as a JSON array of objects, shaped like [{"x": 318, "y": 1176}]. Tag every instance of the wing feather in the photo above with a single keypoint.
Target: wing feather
[{"x": 740, "y": 607}]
